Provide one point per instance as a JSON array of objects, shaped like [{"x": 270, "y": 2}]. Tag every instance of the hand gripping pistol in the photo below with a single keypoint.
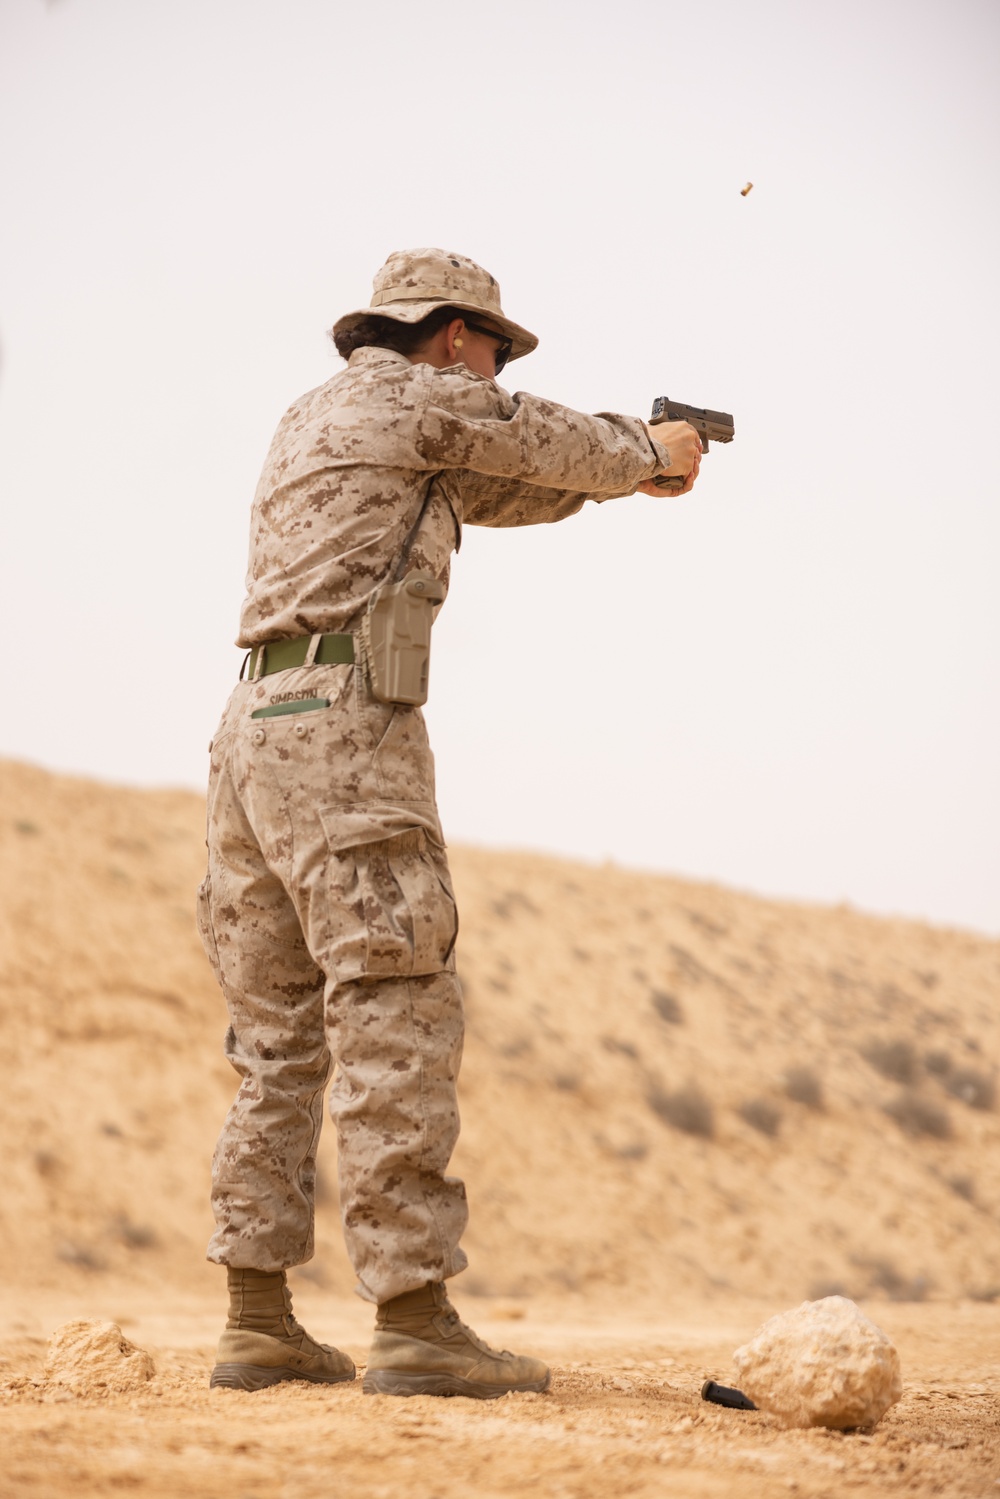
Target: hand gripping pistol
[{"x": 715, "y": 426}]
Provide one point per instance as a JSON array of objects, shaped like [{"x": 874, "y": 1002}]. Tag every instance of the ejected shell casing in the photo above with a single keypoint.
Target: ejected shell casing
[{"x": 746, "y": 189}]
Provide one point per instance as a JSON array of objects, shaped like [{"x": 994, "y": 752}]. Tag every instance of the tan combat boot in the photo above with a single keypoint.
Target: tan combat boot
[
  {"x": 421, "y": 1348},
  {"x": 263, "y": 1344}
]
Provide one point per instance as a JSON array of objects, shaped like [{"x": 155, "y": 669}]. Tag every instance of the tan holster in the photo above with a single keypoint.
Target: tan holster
[{"x": 396, "y": 638}]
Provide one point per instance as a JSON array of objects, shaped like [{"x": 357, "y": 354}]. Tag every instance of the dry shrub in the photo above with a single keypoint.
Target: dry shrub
[
  {"x": 705, "y": 923},
  {"x": 976, "y": 1089},
  {"x": 893, "y": 1282},
  {"x": 688, "y": 1109},
  {"x": 510, "y": 901},
  {"x": 634, "y": 1149},
  {"x": 667, "y": 1007},
  {"x": 761, "y": 1114},
  {"x": 637, "y": 1150},
  {"x": 136, "y": 1235},
  {"x": 963, "y": 1186},
  {"x": 894, "y": 998},
  {"x": 518, "y": 1046},
  {"x": 917, "y": 1115},
  {"x": 802, "y": 1085},
  {"x": 78, "y": 1254},
  {"x": 895, "y": 1060},
  {"x": 938, "y": 1063},
  {"x": 622, "y": 1048},
  {"x": 820, "y": 1289}
]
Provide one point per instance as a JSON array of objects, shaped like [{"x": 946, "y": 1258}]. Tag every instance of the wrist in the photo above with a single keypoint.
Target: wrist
[{"x": 661, "y": 455}]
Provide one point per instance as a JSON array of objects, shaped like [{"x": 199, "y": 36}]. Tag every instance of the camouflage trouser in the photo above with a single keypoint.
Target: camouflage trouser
[{"x": 328, "y": 915}]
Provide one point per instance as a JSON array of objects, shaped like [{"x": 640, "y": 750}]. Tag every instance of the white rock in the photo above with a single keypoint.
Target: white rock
[
  {"x": 825, "y": 1364},
  {"x": 91, "y": 1358}
]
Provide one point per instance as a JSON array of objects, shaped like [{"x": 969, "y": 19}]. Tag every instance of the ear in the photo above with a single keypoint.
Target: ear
[{"x": 454, "y": 340}]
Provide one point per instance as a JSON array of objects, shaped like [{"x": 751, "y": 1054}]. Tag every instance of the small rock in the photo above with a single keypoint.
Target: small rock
[
  {"x": 825, "y": 1364},
  {"x": 92, "y": 1358}
]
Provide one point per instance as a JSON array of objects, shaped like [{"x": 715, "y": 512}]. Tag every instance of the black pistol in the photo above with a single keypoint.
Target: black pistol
[{"x": 711, "y": 426}]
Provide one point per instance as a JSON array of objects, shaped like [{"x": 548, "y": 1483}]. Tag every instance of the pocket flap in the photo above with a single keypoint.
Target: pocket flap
[{"x": 353, "y": 824}]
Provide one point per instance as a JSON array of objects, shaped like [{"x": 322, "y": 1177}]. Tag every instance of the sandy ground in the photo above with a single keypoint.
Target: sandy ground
[
  {"x": 623, "y": 1416},
  {"x": 684, "y": 1109}
]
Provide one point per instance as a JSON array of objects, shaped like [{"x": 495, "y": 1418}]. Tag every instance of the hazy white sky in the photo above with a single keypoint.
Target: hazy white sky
[{"x": 786, "y": 681}]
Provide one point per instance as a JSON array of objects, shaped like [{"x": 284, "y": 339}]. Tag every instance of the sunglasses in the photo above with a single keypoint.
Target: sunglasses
[{"x": 504, "y": 344}]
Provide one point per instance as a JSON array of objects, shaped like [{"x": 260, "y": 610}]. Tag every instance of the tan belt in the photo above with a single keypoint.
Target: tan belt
[{"x": 281, "y": 655}]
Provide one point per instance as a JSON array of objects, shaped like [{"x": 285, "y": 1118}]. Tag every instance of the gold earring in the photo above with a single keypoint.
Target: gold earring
[{"x": 458, "y": 343}]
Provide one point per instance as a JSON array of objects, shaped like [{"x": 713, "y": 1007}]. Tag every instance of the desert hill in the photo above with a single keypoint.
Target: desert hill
[{"x": 667, "y": 1087}]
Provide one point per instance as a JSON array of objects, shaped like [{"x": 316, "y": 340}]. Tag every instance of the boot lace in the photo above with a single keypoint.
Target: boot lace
[{"x": 454, "y": 1324}]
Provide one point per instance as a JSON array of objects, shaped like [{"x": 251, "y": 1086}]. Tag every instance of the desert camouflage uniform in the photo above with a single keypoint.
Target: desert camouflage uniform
[{"x": 327, "y": 910}]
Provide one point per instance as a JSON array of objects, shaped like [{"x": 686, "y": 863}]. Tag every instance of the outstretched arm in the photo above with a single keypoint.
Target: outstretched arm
[{"x": 469, "y": 423}]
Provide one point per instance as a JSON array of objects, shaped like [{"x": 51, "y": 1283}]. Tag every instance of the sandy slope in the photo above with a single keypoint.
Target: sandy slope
[
  {"x": 675, "y": 1096},
  {"x": 618, "y": 1025}
]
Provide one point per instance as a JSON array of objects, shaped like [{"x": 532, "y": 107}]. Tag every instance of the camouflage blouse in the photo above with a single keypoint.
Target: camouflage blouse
[{"x": 376, "y": 472}]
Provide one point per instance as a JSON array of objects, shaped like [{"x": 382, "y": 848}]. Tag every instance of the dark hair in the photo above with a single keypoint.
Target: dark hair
[{"x": 386, "y": 333}]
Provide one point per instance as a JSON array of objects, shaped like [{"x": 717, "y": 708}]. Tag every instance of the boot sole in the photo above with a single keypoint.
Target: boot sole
[
  {"x": 390, "y": 1382},
  {"x": 252, "y": 1377}
]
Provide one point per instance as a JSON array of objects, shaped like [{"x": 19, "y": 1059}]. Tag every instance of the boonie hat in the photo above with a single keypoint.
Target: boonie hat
[{"x": 413, "y": 283}]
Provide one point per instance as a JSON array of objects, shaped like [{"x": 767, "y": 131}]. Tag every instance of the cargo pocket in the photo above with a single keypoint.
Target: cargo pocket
[
  {"x": 203, "y": 915},
  {"x": 391, "y": 908}
]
